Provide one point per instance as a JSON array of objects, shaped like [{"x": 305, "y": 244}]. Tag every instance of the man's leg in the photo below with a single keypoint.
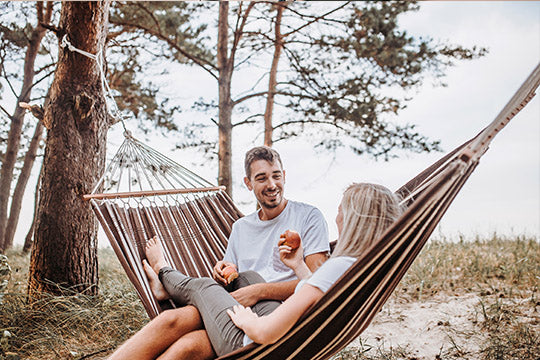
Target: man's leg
[
  {"x": 246, "y": 278},
  {"x": 210, "y": 298},
  {"x": 159, "y": 334},
  {"x": 212, "y": 301},
  {"x": 193, "y": 346}
]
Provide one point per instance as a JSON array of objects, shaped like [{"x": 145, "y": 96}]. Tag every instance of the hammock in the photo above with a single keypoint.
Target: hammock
[{"x": 194, "y": 219}]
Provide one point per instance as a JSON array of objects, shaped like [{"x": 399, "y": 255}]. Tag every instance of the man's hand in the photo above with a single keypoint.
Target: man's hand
[
  {"x": 248, "y": 295},
  {"x": 217, "y": 272}
]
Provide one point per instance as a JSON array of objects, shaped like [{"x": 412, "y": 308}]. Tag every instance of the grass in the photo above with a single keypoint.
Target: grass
[
  {"x": 507, "y": 267},
  {"x": 502, "y": 272},
  {"x": 71, "y": 326}
]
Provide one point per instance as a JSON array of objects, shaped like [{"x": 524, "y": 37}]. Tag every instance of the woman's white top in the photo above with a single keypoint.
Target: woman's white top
[{"x": 328, "y": 273}]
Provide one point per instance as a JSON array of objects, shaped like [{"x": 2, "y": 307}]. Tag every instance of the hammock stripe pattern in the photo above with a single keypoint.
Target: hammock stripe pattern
[
  {"x": 192, "y": 217},
  {"x": 351, "y": 303}
]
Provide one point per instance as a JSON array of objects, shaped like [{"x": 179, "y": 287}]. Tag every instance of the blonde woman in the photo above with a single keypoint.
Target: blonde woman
[{"x": 365, "y": 212}]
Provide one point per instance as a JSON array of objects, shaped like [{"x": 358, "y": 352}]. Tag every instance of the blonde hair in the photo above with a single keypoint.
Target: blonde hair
[{"x": 368, "y": 210}]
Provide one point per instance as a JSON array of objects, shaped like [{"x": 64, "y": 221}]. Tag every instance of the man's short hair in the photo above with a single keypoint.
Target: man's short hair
[{"x": 260, "y": 153}]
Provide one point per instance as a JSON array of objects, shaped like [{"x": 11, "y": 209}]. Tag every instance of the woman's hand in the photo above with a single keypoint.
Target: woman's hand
[
  {"x": 291, "y": 258},
  {"x": 242, "y": 316},
  {"x": 294, "y": 259}
]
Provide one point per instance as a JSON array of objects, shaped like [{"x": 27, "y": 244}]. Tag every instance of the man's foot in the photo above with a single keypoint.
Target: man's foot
[
  {"x": 154, "y": 254},
  {"x": 155, "y": 285}
]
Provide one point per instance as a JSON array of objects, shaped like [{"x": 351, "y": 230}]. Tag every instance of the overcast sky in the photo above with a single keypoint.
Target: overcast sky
[{"x": 503, "y": 195}]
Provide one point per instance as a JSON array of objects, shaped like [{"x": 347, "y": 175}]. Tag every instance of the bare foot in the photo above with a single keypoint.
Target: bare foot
[
  {"x": 154, "y": 254},
  {"x": 155, "y": 285}
]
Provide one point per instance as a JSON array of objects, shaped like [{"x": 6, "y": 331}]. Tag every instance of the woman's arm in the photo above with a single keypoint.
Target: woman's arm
[{"x": 268, "y": 329}]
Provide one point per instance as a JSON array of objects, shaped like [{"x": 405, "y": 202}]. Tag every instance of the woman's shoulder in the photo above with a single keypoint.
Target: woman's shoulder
[
  {"x": 335, "y": 266},
  {"x": 339, "y": 262},
  {"x": 330, "y": 272}
]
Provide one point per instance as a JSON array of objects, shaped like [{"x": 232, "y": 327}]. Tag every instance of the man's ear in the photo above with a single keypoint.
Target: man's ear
[
  {"x": 248, "y": 183},
  {"x": 283, "y": 171}
]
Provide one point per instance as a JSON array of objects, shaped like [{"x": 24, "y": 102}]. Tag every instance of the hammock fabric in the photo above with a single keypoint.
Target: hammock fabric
[{"x": 194, "y": 225}]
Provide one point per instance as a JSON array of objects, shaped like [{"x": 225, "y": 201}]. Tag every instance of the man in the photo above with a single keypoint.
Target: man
[
  {"x": 252, "y": 246},
  {"x": 253, "y": 240}
]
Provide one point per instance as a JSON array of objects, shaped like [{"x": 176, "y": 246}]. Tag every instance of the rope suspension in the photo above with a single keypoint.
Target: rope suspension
[
  {"x": 112, "y": 106},
  {"x": 137, "y": 167}
]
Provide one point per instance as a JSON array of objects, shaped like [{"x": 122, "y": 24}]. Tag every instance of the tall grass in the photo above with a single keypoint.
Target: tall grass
[
  {"x": 71, "y": 326},
  {"x": 498, "y": 265},
  {"x": 504, "y": 273}
]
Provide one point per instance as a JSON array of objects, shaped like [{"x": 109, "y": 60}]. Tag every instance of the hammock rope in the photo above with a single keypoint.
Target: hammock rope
[{"x": 112, "y": 106}]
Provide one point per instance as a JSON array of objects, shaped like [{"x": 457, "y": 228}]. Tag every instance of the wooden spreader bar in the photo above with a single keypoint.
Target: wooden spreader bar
[{"x": 150, "y": 193}]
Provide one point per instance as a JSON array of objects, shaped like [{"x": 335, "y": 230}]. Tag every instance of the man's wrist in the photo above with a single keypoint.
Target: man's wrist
[{"x": 259, "y": 291}]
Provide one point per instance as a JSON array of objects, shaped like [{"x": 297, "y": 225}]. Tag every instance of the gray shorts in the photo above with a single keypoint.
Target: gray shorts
[{"x": 212, "y": 300}]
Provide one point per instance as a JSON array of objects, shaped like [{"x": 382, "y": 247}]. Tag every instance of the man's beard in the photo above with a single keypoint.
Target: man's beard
[{"x": 272, "y": 205}]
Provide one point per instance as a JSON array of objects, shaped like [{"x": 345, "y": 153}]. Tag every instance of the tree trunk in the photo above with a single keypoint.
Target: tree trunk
[
  {"x": 64, "y": 252},
  {"x": 14, "y": 137},
  {"x": 16, "y": 199},
  {"x": 28, "y": 240},
  {"x": 278, "y": 46},
  {"x": 225, "y": 66}
]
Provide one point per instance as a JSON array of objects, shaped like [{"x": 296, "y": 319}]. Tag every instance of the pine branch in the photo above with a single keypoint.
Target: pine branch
[
  {"x": 205, "y": 65},
  {"x": 6, "y": 112},
  {"x": 249, "y": 96},
  {"x": 36, "y": 110},
  {"x": 316, "y": 19},
  {"x": 248, "y": 120}
]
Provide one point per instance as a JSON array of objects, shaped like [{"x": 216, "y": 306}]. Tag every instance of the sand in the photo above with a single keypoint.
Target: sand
[{"x": 425, "y": 330}]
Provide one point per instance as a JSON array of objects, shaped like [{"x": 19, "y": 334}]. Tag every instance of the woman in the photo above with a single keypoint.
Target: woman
[{"x": 366, "y": 210}]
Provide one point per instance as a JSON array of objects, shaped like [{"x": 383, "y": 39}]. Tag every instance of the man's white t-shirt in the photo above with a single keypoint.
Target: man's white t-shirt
[{"x": 253, "y": 243}]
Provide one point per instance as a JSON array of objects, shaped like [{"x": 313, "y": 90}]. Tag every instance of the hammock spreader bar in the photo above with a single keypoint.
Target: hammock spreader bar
[{"x": 134, "y": 194}]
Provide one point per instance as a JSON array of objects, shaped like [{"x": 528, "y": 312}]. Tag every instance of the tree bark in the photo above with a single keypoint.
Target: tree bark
[
  {"x": 64, "y": 252},
  {"x": 16, "y": 199},
  {"x": 225, "y": 66},
  {"x": 278, "y": 46},
  {"x": 15, "y": 131}
]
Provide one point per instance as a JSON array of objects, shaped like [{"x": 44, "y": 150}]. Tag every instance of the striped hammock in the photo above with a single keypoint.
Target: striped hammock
[{"x": 193, "y": 219}]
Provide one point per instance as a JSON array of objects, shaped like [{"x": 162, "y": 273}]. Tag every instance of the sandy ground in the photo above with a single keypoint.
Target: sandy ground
[{"x": 425, "y": 330}]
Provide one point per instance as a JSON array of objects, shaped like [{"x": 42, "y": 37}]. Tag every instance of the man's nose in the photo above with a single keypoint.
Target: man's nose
[{"x": 271, "y": 183}]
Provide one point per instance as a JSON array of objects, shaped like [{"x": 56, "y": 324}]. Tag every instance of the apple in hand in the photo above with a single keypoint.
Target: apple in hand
[
  {"x": 292, "y": 239},
  {"x": 229, "y": 273}
]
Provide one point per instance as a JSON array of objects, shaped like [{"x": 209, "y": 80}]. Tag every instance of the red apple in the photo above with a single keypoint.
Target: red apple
[
  {"x": 292, "y": 239},
  {"x": 229, "y": 273}
]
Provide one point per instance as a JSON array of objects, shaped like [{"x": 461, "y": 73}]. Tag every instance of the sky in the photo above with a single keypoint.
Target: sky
[{"x": 503, "y": 194}]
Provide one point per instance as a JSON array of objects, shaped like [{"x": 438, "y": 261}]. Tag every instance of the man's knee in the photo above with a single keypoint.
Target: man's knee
[
  {"x": 249, "y": 277},
  {"x": 184, "y": 318},
  {"x": 194, "y": 345}
]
